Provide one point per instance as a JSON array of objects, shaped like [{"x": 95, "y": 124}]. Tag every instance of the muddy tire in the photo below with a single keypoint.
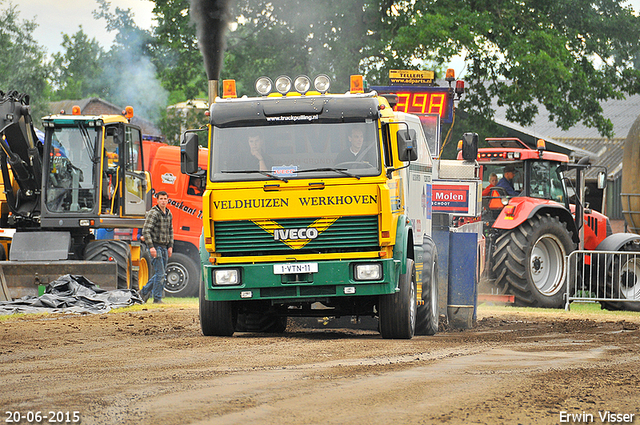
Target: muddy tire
[
  {"x": 623, "y": 281},
  {"x": 530, "y": 261},
  {"x": 427, "y": 314},
  {"x": 119, "y": 251},
  {"x": 398, "y": 311},
  {"x": 217, "y": 318},
  {"x": 183, "y": 276}
]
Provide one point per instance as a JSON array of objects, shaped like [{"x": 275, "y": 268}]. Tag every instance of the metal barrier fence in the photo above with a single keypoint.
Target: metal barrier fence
[{"x": 612, "y": 278}]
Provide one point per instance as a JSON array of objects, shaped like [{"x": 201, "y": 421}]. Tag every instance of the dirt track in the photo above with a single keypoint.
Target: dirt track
[{"x": 154, "y": 367}]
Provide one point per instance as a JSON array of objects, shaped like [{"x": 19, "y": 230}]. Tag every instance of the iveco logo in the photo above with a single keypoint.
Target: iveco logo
[
  {"x": 299, "y": 237},
  {"x": 290, "y": 234}
]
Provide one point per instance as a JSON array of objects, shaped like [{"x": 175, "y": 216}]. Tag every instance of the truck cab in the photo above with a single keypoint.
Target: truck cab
[{"x": 315, "y": 205}]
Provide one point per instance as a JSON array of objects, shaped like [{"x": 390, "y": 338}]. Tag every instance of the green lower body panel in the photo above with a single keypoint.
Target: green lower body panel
[{"x": 266, "y": 281}]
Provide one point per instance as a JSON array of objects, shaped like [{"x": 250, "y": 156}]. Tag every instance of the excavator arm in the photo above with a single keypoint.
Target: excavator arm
[{"x": 20, "y": 157}]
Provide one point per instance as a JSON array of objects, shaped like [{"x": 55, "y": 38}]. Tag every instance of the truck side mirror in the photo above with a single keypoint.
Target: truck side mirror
[
  {"x": 602, "y": 180},
  {"x": 189, "y": 153},
  {"x": 407, "y": 145},
  {"x": 470, "y": 146}
]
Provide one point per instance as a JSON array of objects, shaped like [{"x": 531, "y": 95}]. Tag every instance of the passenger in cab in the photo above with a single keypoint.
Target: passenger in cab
[{"x": 493, "y": 180}]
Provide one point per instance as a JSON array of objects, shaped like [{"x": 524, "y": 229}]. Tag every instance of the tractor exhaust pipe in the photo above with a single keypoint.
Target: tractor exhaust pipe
[{"x": 213, "y": 91}]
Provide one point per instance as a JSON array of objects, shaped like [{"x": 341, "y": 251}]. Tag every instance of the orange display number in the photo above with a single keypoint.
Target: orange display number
[{"x": 422, "y": 103}]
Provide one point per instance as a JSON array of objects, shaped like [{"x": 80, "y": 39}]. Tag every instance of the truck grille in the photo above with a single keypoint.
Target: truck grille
[{"x": 358, "y": 233}]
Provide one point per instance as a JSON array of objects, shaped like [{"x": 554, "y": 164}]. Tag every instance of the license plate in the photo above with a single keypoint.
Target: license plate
[{"x": 295, "y": 268}]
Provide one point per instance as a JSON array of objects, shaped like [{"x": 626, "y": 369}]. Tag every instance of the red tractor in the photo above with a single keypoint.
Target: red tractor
[{"x": 531, "y": 226}]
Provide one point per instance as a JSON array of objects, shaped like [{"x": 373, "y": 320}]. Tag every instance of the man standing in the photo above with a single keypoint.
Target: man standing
[{"x": 158, "y": 235}]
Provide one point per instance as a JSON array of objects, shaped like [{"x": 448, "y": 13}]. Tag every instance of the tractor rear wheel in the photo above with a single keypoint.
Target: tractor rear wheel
[{"x": 530, "y": 261}]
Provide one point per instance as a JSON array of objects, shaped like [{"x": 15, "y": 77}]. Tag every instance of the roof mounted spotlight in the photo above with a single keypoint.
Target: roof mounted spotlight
[
  {"x": 264, "y": 85},
  {"x": 322, "y": 83},
  {"x": 302, "y": 84},
  {"x": 283, "y": 84}
]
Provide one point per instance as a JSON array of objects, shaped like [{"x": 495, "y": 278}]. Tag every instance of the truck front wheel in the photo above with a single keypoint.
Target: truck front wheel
[
  {"x": 397, "y": 312},
  {"x": 217, "y": 318},
  {"x": 530, "y": 261},
  {"x": 183, "y": 276},
  {"x": 427, "y": 315}
]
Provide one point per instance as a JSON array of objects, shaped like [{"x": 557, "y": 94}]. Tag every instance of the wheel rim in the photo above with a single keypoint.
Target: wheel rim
[
  {"x": 547, "y": 265},
  {"x": 143, "y": 272},
  {"x": 177, "y": 278},
  {"x": 629, "y": 284}
]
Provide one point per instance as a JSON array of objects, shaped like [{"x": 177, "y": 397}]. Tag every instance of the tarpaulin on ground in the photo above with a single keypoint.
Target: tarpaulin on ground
[{"x": 72, "y": 294}]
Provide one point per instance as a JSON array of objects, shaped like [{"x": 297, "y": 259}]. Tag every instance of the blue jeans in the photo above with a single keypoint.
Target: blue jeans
[{"x": 155, "y": 285}]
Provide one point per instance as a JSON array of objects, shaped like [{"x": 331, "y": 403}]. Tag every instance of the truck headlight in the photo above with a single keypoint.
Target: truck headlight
[
  {"x": 368, "y": 271},
  {"x": 226, "y": 277}
]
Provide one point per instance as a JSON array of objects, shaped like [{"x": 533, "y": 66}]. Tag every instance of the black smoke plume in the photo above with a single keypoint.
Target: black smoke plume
[{"x": 211, "y": 18}]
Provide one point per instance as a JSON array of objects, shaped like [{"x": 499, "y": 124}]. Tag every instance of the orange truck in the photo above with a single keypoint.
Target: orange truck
[{"x": 185, "y": 203}]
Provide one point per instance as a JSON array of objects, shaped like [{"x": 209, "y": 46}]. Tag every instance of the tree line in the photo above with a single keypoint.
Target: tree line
[{"x": 567, "y": 55}]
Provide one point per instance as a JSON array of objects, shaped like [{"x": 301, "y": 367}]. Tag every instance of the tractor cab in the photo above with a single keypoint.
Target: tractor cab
[{"x": 511, "y": 169}]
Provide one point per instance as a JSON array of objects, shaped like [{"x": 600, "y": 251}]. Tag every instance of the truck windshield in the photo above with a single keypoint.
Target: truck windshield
[
  {"x": 70, "y": 176},
  {"x": 295, "y": 151}
]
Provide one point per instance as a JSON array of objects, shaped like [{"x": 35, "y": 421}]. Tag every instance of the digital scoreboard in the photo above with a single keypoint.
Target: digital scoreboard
[
  {"x": 422, "y": 103},
  {"x": 422, "y": 100}
]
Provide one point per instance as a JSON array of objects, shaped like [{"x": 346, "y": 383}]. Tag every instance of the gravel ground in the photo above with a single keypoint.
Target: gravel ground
[{"x": 151, "y": 365}]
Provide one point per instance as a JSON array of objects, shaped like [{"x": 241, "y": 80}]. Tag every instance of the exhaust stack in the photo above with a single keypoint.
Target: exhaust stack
[{"x": 213, "y": 91}]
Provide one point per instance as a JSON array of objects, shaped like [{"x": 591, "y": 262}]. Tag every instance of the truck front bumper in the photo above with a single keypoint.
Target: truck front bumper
[{"x": 333, "y": 278}]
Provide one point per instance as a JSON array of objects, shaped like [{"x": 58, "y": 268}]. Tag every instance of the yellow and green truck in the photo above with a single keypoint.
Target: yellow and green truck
[{"x": 315, "y": 205}]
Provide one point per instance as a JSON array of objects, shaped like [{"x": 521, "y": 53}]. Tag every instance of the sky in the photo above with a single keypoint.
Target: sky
[{"x": 55, "y": 17}]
